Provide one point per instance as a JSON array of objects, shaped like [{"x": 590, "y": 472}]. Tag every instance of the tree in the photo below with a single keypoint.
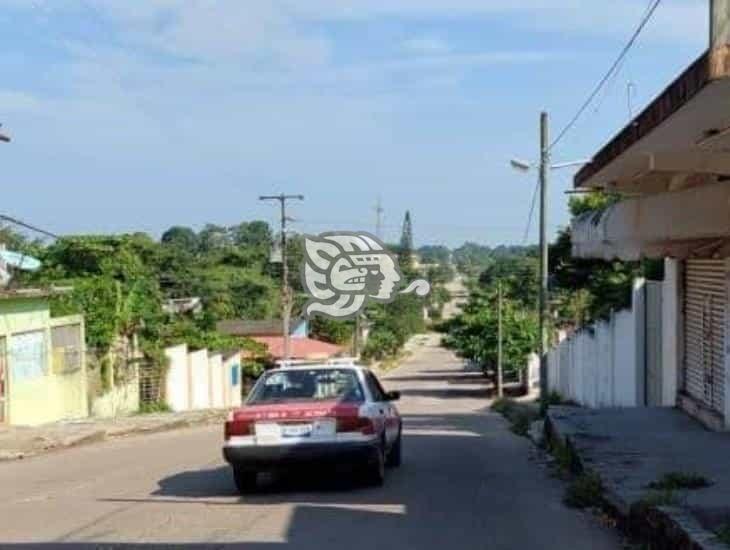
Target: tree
[
  {"x": 434, "y": 254},
  {"x": 474, "y": 333},
  {"x": 183, "y": 237},
  {"x": 406, "y": 242}
]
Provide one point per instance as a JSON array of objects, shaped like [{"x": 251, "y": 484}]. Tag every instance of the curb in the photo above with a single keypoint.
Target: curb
[
  {"x": 668, "y": 527},
  {"x": 109, "y": 433}
]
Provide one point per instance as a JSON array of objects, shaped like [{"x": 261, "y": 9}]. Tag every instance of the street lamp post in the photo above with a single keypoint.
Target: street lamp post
[{"x": 544, "y": 168}]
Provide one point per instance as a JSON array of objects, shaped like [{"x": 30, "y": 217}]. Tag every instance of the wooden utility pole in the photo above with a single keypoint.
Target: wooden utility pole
[
  {"x": 285, "y": 291},
  {"x": 500, "y": 387}
]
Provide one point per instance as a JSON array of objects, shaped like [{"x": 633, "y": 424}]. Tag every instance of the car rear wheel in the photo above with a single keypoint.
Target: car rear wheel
[
  {"x": 394, "y": 456},
  {"x": 245, "y": 480},
  {"x": 375, "y": 474}
]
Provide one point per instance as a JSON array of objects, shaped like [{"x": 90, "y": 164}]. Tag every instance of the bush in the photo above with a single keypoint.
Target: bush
[
  {"x": 584, "y": 492},
  {"x": 679, "y": 480},
  {"x": 154, "y": 407},
  {"x": 519, "y": 415},
  {"x": 381, "y": 343}
]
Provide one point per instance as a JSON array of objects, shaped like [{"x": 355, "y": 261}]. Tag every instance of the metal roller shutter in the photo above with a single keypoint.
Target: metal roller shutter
[{"x": 705, "y": 296}]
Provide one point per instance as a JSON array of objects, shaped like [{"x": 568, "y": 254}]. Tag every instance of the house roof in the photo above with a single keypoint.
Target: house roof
[
  {"x": 299, "y": 348},
  {"x": 16, "y": 293},
  {"x": 688, "y": 116},
  {"x": 244, "y": 327}
]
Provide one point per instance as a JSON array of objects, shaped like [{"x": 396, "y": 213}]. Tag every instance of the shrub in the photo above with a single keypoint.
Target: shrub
[
  {"x": 381, "y": 343},
  {"x": 679, "y": 480},
  {"x": 154, "y": 407},
  {"x": 584, "y": 492}
]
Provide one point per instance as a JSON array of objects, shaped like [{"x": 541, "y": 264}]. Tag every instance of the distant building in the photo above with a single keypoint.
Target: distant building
[
  {"x": 298, "y": 328},
  {"x": 179, "y": 306}
]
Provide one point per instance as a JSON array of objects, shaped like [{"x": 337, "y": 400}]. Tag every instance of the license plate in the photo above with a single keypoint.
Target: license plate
[
  {"x": 298, "y": 430},
  {"x": 267, "y": 433}
]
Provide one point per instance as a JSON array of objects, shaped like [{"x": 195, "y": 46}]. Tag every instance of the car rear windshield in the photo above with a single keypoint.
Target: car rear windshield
[{"x": 307, "y": 385}]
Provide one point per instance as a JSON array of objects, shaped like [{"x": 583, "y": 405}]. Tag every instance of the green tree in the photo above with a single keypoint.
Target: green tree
[
  {"x": 406, "y": 242},
  {"x": 183, "y": 237}
]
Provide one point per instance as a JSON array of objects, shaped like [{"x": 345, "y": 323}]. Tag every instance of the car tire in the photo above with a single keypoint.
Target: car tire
[
  {"x": 394, "y": 456},
  {"x": 246, "y": 480},
  {"x": 375, "y": 475}
]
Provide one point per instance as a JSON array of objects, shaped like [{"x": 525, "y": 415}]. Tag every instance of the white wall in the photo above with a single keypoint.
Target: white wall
[
  {"x": 603, "y": 365},
  {"x": 177, "y": 383},
  {"x": 232, "y": 391},
  {"x": 199, "y": 379},
  {"x": 217, "y": 381}
]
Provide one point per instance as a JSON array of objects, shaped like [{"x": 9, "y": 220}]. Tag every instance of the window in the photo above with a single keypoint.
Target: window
[
  {"x": 308, "y": 385},
  {"x": 376, "y": 390}
]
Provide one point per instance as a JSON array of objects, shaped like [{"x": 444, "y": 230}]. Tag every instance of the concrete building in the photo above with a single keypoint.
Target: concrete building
[
  {"x": 672, "y": 166},
  {"x": 42, "y": 361}
]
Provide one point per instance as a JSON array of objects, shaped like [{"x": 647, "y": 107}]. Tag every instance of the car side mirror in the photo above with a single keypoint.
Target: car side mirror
[{"x": 392, "y": 396}]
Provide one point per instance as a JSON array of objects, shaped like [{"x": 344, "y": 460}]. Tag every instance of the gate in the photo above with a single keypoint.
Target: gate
[
  {"x": 705, "y": 295},
  {"x": 654, "y": 344}
]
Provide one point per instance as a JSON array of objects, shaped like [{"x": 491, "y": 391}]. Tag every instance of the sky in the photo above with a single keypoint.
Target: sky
[{"x": 135, "y": 115}]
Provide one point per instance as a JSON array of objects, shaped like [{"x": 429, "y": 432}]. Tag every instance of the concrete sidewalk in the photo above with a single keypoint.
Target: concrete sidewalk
[
  {"x": 631, "y": 448},
  {"x": 24, "y": 441}
]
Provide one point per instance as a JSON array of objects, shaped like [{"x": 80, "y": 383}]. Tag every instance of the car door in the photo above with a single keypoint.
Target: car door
[{"x": 386, "y": 410}]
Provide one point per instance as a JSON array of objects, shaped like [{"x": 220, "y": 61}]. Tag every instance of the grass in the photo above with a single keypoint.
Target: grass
[
  {"x": 585, "y": 491},
  {"x": 674, "y": 481},
  {"x": 723, "y": 534},
  {"x": 652, "y": 499},
  {"x": 154, "y": 407},
  {"x": 563, "y": 457},
  {"x": 519, "y": 415}
]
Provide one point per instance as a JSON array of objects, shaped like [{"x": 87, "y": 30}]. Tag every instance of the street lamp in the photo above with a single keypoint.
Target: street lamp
[
  {"x": 3, "y": 137},
  {"x": 544, "y": 167}
]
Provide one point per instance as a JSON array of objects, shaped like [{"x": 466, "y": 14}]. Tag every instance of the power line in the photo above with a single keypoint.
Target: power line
[
  {"x": 28, "y": 226},
  {"x": 529, "y": 217},
  {"x": 608, "y": 74}
]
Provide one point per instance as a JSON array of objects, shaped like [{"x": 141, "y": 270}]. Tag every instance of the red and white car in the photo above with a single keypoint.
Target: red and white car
[{"x": 333, "y": 413}]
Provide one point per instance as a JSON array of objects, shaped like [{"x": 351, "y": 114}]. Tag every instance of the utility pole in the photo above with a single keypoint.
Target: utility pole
[
  {"x": 379, "y": 219},
  {"x": 500, "y": 389},
  {"x": 544, "y": 170},
  {"x": 285, "y": 293},
  {"x": 356, "y": 336}
]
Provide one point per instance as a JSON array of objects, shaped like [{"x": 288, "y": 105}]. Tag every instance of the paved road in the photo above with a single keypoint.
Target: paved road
[{"x": 466, "y": 482}]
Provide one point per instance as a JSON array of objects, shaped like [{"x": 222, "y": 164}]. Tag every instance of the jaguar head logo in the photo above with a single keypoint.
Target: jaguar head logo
[{"x": 343, "y": 270}]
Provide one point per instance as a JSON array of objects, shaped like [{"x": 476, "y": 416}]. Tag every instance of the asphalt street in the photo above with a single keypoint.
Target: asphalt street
[{"x": 466, "y": 482}]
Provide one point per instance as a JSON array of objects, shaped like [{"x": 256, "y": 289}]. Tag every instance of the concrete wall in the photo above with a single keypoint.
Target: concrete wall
[
  {"x": 233, "y": 382},
  {"x": 39, "y": 394},
  {"x": 199, "y": 379},
  {"x": 177, "y": 382},
  {"x": 121, "y": 400},
  {"x": 672, "y": 348},
  {"x": 217, "y": 381},
  {"x": 603, "y": 365}
]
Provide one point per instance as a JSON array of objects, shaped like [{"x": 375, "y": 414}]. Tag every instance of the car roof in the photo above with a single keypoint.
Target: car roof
[{"x": 317, "y": 366}]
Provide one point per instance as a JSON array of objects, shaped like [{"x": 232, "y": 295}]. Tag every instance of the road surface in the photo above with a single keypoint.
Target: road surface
[{"x": 466, "y": 482}]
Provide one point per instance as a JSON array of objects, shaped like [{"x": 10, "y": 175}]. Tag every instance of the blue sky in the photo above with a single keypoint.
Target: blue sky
[{"x": 140, "y": 114}]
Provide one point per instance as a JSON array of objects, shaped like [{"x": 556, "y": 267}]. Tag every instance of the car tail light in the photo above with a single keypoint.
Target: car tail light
[
  {"x": 238, "y": 427},
  {"x": 360, "y": 424}
]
